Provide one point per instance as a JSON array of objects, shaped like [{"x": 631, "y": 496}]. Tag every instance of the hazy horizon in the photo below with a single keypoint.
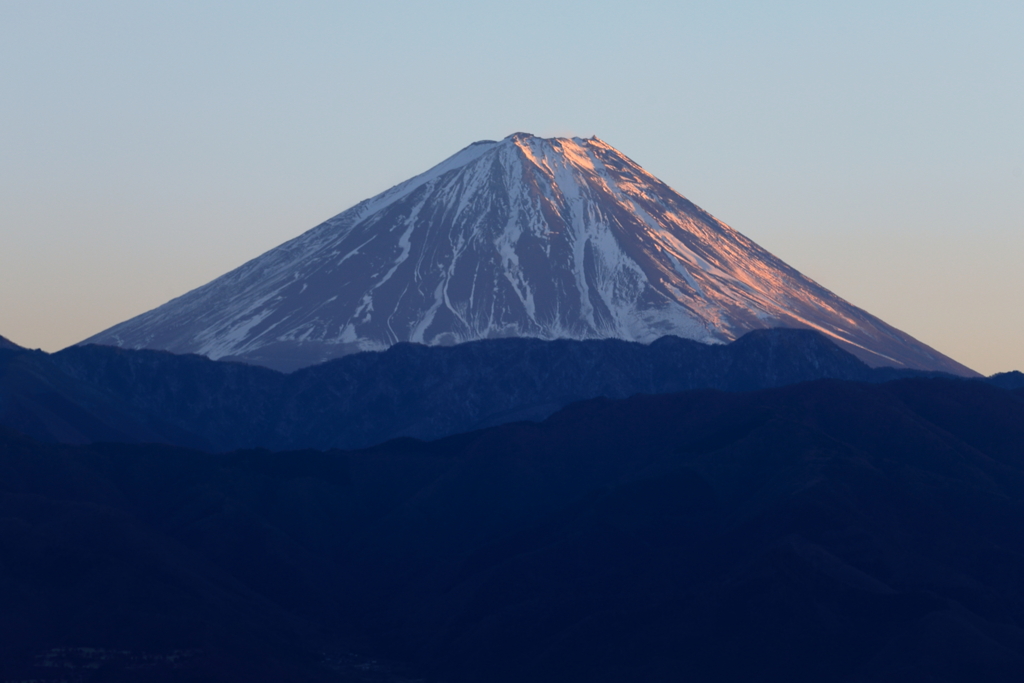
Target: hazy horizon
[{"x": 877, "y": 148}]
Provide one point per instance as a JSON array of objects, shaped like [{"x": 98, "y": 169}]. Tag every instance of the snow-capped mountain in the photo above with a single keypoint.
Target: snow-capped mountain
[{"x": 532, "y": 237}]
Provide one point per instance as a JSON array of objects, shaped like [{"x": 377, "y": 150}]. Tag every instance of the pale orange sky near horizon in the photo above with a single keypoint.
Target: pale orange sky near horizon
[{"x": 876, "y": 148}]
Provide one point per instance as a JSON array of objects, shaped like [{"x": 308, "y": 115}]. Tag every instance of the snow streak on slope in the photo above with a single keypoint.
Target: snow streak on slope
[{"x": 548, "y": 238}]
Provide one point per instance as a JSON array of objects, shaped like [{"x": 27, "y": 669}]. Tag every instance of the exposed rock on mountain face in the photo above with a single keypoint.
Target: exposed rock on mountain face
[{"x": 526, "y": 237}]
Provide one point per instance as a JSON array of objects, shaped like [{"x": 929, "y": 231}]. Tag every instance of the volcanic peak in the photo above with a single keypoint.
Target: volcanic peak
[{"x": 527, "y": 236}]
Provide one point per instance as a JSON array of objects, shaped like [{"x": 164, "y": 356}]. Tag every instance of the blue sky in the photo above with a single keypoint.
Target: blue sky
[{"x": 146, "y": 148}]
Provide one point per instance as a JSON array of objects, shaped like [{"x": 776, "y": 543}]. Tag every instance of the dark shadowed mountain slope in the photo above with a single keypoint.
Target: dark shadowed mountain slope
[
  {"x": 526, "y": 237},
  {"x": 41, "y": 400},
  {"x": 7, "y": 345},
  {"x": 110, "y": 569},
  {"x": 827, "y": 531},
  {"x": 428, "y": 392}
]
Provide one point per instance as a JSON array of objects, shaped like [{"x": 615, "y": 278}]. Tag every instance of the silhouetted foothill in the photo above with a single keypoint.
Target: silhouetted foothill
[
  {"x": 7, "y": 345},
  {"x": 1007, "y": 380},
  {"x": 95, "y": 393},
  {"x": 829, "y": 530}
]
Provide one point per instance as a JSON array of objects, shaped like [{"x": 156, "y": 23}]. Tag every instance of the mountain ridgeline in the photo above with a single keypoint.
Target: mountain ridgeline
[
  {"x": 99, "y": 393},
  {"x": 524, "y": 237},
  {"x": 7, "y": 345},
  {"x": 825, "y": 531}
]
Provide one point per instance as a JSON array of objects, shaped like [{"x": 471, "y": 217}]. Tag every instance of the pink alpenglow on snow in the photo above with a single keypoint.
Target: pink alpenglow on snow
[{"x": 530, "y": 237}]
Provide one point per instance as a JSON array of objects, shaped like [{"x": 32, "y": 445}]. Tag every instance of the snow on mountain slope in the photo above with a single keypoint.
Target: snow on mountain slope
[{"x": 548, "y": 238}]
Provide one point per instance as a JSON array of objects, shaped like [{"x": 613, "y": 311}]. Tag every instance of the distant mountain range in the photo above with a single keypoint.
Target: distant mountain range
[
  {"x": 95, "y": 393},
  {"x": 825, "y": 531},
  {"x": 524, "y": 237}
]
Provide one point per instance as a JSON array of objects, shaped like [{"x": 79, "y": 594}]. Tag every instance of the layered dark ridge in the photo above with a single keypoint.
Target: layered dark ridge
[
  {"x": 95, "y": 393},
  {"x": 7, "y": 345},
  {"x": 823, "y": 531}
]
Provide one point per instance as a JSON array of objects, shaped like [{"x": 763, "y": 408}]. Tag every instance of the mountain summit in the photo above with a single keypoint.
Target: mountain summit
[{"x": 527, "y": 236}]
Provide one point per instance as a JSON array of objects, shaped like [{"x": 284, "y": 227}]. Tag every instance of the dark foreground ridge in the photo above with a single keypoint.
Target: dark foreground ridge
[
  {"x": 96, "y": 393},
  {"x": 826, "y": 531}
]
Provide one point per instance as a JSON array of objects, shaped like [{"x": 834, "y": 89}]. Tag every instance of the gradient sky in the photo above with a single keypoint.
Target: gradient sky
[{"x": 878, "y": 147}]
